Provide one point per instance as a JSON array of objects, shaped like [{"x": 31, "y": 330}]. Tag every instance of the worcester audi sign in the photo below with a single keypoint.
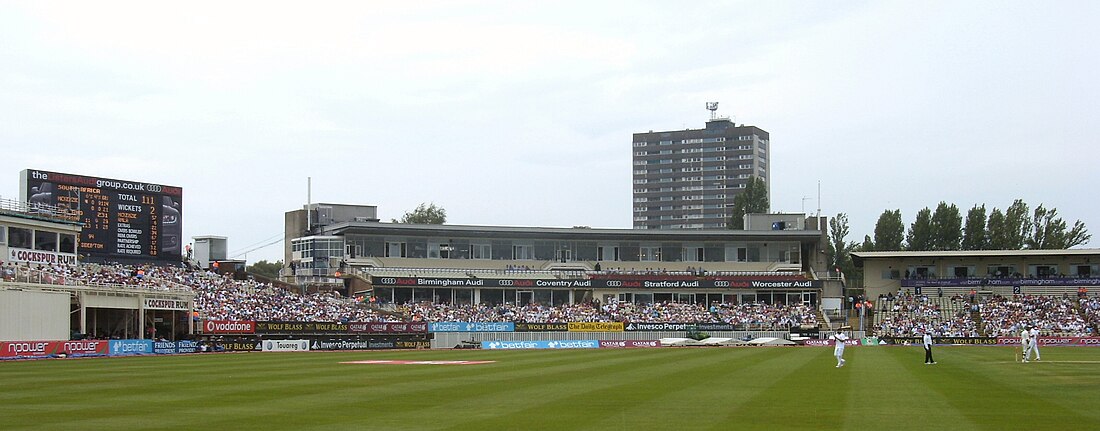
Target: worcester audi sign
[{"x": 654, "y": 283}]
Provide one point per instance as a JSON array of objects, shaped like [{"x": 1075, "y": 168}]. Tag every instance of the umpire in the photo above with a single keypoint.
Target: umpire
[{"x": 928, "y": 348}]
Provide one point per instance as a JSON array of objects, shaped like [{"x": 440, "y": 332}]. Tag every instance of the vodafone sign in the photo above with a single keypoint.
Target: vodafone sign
[{"x": 229, "y": 327}]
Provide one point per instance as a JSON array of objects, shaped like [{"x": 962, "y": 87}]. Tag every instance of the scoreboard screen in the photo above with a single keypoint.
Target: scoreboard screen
[{"x": 123, "y": 220}]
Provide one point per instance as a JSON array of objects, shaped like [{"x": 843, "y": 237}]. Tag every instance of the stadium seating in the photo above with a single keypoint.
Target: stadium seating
[{"x": 218, "y": 297}]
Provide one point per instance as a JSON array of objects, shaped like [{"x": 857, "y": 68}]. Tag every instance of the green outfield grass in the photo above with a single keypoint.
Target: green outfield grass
[{"x": 881, "y": 388}]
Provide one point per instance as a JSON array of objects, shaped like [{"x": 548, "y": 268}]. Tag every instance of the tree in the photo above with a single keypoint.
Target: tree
[
  {"x": 889, "y": 231},
  {"x": 1049, "y": 231},
  {"x": 868, "y": 244},
  {"x": 974, "y": 236},
  {"x": 920, "y": 232},
  {"x": 1078, "y": 235},
  {"x": 266, "y": 269},
  {"x": 752, "y": 200},
  {"x": 839, "y": 249},
  {"x": 1008, "y": 231},
  {"x": 946, "y": 227},
  {"x": 424, "y": 214}
]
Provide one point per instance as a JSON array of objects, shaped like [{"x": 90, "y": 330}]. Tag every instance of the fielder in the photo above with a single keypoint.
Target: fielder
[
  {"x": 1025, "y": 343},
  {"x": 1034, "y": 336},
  {"x": 838, "y": 350}
]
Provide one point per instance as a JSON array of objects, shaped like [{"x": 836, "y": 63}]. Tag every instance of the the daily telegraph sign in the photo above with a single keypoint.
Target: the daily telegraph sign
[{"x": 656, "y": 283}]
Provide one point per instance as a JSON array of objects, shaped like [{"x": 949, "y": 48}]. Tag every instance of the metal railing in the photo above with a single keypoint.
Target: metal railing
[
  {"x": 22, "y": 274},
  {"x": 38, "y": 209}
]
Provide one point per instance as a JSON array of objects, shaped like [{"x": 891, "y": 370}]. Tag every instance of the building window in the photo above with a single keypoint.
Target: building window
[
  {"x": 481, "y": 251},
  {"x": 692, "y": 254},
  {"x": 649, "y": 254},
  {"x": 45, "y": 240},
  {"x": 607, "y": 253},
  {"x": 523, "y": 252},
  {"x": 19, "y": 237},
  {"x": 66, "y": 243},
  {"x": 396, "y": 249},
  {"x": 640, "y": 144}
]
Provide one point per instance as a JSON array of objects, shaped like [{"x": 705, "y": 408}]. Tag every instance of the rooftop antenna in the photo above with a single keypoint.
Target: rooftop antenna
[
  {"x": 819, "y": 198},
  {"x": 713, "y": 108},
  {"x": 309, "y": 203}
]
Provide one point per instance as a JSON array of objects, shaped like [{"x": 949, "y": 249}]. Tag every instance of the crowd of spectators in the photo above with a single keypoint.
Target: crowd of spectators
[
  {"x": 909, "y": 315},
  {"x": 1091, "y": 308},
  {"x": 1003, "y": 316},
  {"x": 752, "y": 315},
  {"x": 220, "y": 297}
]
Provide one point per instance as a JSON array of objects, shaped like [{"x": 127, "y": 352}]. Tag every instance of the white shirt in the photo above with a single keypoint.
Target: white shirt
[
  {"x": 840, "y": 338},
  {"x": 927, "y": 340},
  {"x": 1024, "y": 337},
  {"x": 1033, "y": 335}
]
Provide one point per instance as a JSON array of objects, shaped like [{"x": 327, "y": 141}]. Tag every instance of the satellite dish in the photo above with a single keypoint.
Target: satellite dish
[{"x": 712, "y": 107}]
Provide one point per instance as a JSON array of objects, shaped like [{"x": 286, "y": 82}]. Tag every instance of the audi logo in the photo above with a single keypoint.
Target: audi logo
[
  {"x": 721, "y": 284},
  {"x": 387, "y": 281},
  {"x": 507, "y": 282},
  {"x": 614, "y": 283}
]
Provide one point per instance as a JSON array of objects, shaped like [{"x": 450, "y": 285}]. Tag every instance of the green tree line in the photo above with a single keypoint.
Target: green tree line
[{"x": 945, "y": 229}]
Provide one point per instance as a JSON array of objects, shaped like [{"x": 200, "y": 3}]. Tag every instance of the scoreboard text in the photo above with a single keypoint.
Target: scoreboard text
[{"x": 122, "y": 219}]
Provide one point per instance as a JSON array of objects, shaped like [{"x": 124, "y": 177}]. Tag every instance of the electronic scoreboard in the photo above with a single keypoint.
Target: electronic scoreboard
[{"x": 123, "y": 220}]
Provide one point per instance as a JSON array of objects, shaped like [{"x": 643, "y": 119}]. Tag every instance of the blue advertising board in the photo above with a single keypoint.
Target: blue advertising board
[
  {"x": 562, "y": 344},
  {"x": 472, "y": 327},
  {"x": 129, "y": 347},
  {"x": 174, "y": 347}
]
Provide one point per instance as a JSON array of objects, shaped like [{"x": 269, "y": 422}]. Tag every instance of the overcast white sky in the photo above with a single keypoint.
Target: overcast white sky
[{"x": 521, "y": 113}]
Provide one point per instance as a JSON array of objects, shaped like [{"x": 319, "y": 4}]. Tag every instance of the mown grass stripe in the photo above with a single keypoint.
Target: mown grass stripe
[{"x": 635, "y": 389}]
